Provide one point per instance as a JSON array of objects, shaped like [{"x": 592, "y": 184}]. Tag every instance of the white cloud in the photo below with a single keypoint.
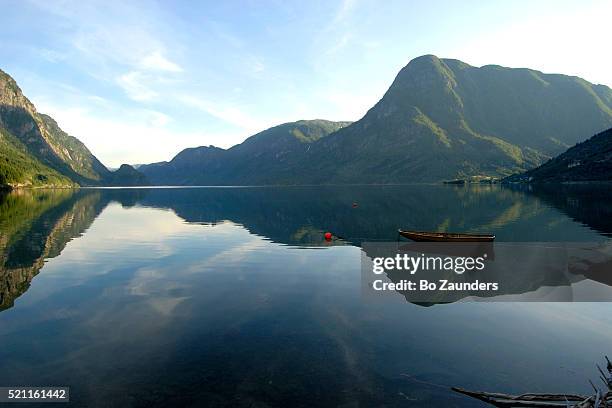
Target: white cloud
[
  {"x": 350, "y": 105},
  {"x": 335, "y": 36},
  {"x": 257, "y": 66},
  {"x": 133, "y": 83},
  {"x": 567, "y": 43},
  {"x": 343, "y": 12},
  {"x": 51, "y": 55},
  {"x": 159, "y": 119},
  {"x": 157, "y": 62},
  {"x": 229, "y": 114},
  {"x": 371, "y": 44},
  {"x": 138, "y": 136},
  {"x": 338, "y": 45},
  {"x": 225, "y": 35}
]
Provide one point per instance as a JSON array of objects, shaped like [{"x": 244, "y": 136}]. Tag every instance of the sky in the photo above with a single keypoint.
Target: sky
[{"x": 139, "y": 81}]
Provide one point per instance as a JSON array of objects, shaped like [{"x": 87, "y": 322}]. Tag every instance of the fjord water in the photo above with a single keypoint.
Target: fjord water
[{"x": 231, "y": 297}]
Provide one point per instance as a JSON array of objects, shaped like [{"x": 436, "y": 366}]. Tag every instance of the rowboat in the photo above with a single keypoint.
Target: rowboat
[{"x": 423, "y": 236}]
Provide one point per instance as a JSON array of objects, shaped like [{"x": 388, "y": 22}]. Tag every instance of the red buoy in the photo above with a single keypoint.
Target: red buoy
[{"x": 328, "y": 236}]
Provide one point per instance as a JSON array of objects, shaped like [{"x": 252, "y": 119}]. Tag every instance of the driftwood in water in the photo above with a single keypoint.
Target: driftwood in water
[
  {"x": 526, "y": 400},
  {"x": 599, "y": 400}
]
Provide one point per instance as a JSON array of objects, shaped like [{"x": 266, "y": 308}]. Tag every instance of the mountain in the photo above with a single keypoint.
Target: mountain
[
  {"x": 42, "y": 141},
  {"x": 35, "y": 151},
  {"x": 127, "y": 175},
  {"x": 443, "y": 119},
  {"x": 269, "y": 157},
  {"x": 19, "y": 168},
  {"x": 440, "y": 119},
  {"x": 590, "y": 160}
]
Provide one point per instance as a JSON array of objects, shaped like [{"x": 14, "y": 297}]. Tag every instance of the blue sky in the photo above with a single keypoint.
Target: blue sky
[{"x": 139, "y": 81}]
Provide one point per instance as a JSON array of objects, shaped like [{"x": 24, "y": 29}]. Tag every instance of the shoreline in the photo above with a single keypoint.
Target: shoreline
[{"x": 8, "y": 187}]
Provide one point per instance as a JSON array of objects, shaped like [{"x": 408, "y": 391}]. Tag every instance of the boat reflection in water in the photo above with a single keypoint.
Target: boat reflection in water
[{"x": 502, "y": 271}]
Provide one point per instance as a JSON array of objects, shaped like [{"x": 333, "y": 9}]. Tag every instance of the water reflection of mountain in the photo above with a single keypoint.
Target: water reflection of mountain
[
  {"x": 589, "y": 204},
  {"x": 286, "y": 215},
  {"x": 36, "y": 225},
  {"x": 299, "y": 215}
]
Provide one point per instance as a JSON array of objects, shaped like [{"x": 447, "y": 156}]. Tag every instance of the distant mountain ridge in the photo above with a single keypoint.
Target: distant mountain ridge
[
  {"x": 268, "y": 157},
  {"x": 35, "y": 151},
  {"x": 440, "y": 119},
  {"x": 127, "y": 175},
  {"x": 590, "y": 160}
]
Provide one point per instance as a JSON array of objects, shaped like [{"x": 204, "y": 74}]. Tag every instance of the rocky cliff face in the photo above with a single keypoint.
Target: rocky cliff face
[
  {"x": 35, "y": 151},
  {"x": 42, "y": 139}
]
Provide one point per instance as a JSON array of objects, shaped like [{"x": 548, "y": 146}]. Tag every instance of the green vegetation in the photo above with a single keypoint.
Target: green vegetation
[
  {"x": 36, "y": 225},
  {"x": 268, "y": 157},
  {"x": 19, "y": 209},
  {"x": 18, "y": 168},
  {"x": 36, "y": 152},
  {"x": 590, "y": 160},
  {"x": 423, "y": 120},
  {"x": 86, "y": 167},
  {"x": 441, "y": 119}
]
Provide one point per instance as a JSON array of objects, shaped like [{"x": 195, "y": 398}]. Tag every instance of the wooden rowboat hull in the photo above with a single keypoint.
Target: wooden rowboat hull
[{"x": 423, "y": 236}]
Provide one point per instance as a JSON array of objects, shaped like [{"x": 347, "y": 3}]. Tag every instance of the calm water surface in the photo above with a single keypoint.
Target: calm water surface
[{"x": 231, "y": 297}]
